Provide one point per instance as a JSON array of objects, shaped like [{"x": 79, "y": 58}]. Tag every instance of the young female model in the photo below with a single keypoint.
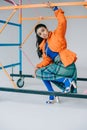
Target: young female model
[{"x": 58, "y": 64}]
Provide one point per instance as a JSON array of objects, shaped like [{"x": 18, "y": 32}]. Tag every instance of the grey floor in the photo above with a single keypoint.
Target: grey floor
[{"x": 30, "y": 112}]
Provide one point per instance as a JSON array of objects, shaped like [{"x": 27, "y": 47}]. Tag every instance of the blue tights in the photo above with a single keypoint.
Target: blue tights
[
  {"x": 47, "y": 83},
  {"x": 49, "y": 87}
]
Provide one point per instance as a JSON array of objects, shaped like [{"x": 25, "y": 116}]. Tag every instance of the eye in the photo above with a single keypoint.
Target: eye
[
  {"x": 39, "y": 34},
  {"x": 42, "y": 30}
]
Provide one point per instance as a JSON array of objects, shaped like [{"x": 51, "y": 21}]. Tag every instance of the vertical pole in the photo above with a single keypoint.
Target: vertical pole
[{"x": 20, "y": 38}]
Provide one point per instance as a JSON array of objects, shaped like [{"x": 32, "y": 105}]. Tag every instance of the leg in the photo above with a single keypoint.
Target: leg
[
  {"x": 49, "y": 87},
  {"x": 52, "y": 99},
  {"x": 60, "y": 85},
  {"x": 67, "y": 83},
  {"x": 70, "y": 85}
]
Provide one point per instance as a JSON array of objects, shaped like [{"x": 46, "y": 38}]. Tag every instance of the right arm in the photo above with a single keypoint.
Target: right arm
[{"x": 46, "y": 61}]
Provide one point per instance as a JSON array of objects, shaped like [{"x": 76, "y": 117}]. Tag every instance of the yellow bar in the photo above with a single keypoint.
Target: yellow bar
[
  {"x": 81, "y": 17},
  {"x": 37, "y": 18},
  {"x": 43, "y": 5},
  {"x": 86, "y": 5},
  {"x": 52, "y": 17},
  {"x": 12, "y": 14},
  {"x": 6, "y": 73},
  {"x": 29, "y": 33},
  {"x": 20, "y": 12}
]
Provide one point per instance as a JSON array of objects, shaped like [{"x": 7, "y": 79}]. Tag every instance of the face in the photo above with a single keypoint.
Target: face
[{"x": 42, "y": 32}]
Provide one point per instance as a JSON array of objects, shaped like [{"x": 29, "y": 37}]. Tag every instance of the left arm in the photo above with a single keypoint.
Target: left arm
[{"x": 62, "y": 23}]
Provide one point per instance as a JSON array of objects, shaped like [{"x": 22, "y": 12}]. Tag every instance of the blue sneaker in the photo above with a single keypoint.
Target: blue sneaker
[
  {"x": 55, "y": 100},
  {"x": 67, "y": 90},
  {"x": 73, "y": 90},
  {"x": 73, "y": 87}
]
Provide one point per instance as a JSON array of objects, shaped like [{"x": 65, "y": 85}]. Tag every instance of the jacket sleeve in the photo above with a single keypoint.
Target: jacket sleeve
[
  {"x": 46, "y": 61},
  {"x": 67, "y": 57},
  {"x": 62, "y": 23}
]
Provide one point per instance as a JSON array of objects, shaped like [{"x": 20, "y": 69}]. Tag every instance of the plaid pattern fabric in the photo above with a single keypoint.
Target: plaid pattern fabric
[{"x": 55, "y": 71}]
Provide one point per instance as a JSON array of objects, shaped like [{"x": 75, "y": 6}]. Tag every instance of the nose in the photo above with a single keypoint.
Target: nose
[{"x": 43, "y": 34}]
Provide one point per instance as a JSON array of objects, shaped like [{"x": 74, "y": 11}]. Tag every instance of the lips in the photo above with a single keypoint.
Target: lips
[{"x": 45, "y": 36}]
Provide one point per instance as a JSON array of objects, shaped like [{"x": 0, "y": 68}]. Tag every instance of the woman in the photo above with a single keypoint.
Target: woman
[{"x": 58, "y": 64}]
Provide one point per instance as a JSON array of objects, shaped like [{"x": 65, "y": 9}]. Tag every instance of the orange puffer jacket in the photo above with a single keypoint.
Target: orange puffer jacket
[{"x": 57, "y": 43}]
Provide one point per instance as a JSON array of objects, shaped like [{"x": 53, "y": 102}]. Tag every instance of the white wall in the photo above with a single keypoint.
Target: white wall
[{"x": 76, "y": 35}]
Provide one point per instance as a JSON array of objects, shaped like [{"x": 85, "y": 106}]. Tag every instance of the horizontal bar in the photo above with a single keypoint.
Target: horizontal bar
[
  {"x": 52, "y": 17},
  {"x": 82, "y": 79},
  {"x": 11, "y": 65},
  {"x": 79, "y": 17},
  {"x": 10, "y": 23},
  {"x": 7, "y": 44},
  {"x": 43, "y": 5},
  {"x": 22, "y": 75},
  {"x": 43, "y": 92}
]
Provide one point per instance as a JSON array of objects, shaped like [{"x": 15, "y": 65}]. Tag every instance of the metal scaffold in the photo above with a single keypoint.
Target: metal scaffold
[{"x": 19, "y": 7}]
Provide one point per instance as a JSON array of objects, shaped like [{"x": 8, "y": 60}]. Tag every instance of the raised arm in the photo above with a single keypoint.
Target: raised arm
[{"x": 62, "y": 23}]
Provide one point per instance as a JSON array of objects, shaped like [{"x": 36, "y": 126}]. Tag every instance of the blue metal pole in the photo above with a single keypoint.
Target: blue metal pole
[
  {"x": 20, "y": 37},
  {"x": 10, "y": 23},
  {"x": 20, "y": 50}
]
